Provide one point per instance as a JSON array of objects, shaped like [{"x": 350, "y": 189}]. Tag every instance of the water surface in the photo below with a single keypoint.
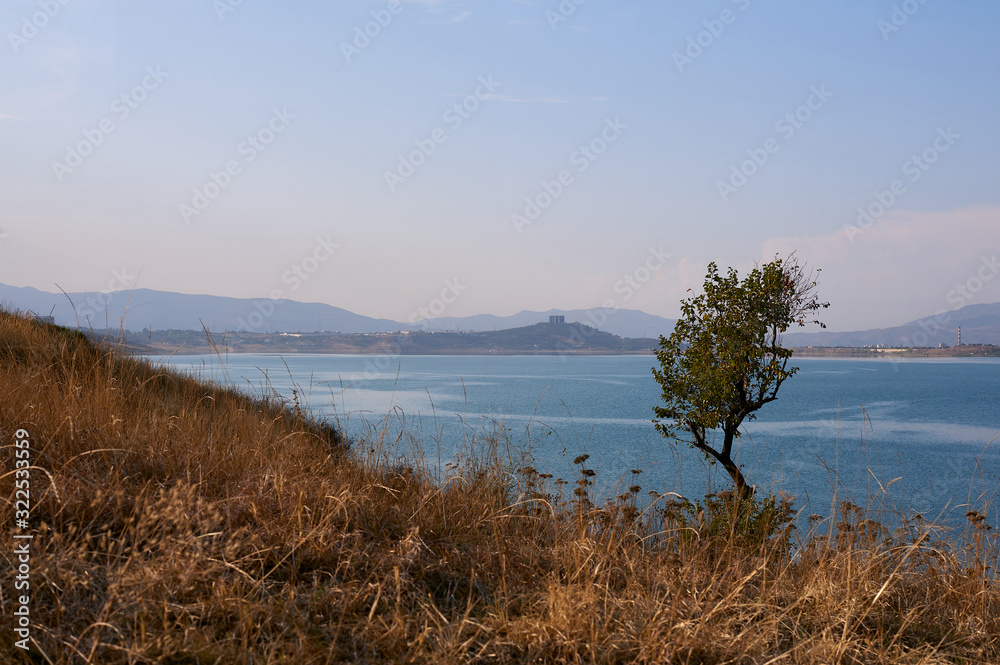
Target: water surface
[{"x": 850, "y": 425}]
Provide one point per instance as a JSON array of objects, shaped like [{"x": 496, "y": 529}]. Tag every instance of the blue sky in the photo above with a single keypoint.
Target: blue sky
[{"x": 832, "y": 99}]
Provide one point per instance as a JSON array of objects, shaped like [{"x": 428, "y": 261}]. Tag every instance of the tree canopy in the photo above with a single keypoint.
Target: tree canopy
[{"x": 724, "y": 359}]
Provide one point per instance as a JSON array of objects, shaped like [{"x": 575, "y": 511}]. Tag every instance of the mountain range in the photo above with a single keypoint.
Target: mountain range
[
  {"x": 980, "y": 324},
  {"x": 142, "y": 309}
]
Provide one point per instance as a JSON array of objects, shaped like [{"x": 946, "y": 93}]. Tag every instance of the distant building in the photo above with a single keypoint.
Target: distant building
[{"x": 557, "y": 319}]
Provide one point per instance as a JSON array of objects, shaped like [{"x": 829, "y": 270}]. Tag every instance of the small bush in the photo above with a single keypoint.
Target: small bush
[{"x": 725, "y": 519}]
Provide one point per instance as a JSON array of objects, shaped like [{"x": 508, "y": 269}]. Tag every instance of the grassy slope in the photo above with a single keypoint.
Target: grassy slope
[{"x": 184, "y": 523}]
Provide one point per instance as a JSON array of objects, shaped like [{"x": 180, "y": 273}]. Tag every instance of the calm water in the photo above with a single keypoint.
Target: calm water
[{"x": 839, "y": 423}]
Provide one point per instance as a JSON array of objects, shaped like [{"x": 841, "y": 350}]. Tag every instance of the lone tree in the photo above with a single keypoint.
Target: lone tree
[{"x": 724, "y": 359}]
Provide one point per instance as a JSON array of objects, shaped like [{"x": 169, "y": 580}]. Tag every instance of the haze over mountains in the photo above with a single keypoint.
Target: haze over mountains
[
  {"x": 980, "y": 325},
  {"x": 165, "y": 310},
  {"x": 142, "y": 309}
]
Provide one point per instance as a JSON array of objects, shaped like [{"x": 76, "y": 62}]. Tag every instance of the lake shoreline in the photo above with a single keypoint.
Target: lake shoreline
[{"x": 857, "y": 353}]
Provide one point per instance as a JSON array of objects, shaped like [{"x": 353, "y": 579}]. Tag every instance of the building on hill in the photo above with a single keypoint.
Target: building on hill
[{"x": 557, "y": 319}]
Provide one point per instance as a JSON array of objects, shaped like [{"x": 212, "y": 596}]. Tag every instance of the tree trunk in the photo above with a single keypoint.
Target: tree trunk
[{"x": 726, "y": 460}]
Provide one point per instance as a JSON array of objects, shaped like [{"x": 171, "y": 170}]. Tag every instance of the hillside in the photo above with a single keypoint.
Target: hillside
[
  {"x": 980, "y": 325},
  {"x": 621, "y": 322},
  {"x": 541, "y": 338},
  {"x": 177, "y": 522},
  {"x": 144, "y": 309}
]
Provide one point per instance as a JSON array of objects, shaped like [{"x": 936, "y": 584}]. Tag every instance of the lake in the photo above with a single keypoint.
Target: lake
[{"x": 927, "y": 426}]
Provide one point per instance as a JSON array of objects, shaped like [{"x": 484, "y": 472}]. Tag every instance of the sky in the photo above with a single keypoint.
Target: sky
[{"x": 491, "y": 157}]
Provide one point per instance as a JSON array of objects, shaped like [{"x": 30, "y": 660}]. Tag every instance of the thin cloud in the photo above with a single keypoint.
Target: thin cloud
[
  {"x": 905, "y": 266},
  {"x": 440, "y": 7},
  {"x": 4, "y": 116},
  {"x": 513, "y": 100}
]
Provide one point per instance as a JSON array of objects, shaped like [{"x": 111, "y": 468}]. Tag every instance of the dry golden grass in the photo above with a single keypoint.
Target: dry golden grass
[{"x": 177, "y": 522}]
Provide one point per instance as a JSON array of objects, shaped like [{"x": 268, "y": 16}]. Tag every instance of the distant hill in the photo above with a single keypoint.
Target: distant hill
[
  {"x": 551, "y": 337},
  {"x": 621, "y": 322},
  {"x": 980, "y": 325},
  {"x": 165, "y": 310},
  {"x": 537, "y": 339}
]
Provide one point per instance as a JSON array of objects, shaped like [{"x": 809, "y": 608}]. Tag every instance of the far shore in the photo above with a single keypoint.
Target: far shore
[
  {"x": 543, "y": 339},
  {"x": 964, "y": 351},
  {"x": 355, "y": 351},
  {"x": 976, "y": 351}
]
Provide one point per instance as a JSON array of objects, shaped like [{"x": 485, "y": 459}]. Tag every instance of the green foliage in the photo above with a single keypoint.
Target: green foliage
[
  {"x": 724, "y": 517},
  {"x": 724, "y": 359}
]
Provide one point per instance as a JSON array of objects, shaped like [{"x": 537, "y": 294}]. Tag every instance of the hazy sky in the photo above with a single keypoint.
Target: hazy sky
[{"x": 514, "y": 154}]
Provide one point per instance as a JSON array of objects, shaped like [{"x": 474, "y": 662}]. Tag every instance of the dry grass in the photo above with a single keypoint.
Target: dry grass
[{"x": 177, "y": 522}]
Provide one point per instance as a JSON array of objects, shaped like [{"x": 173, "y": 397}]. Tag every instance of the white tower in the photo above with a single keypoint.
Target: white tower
[{"x": 960, "y": 335}]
